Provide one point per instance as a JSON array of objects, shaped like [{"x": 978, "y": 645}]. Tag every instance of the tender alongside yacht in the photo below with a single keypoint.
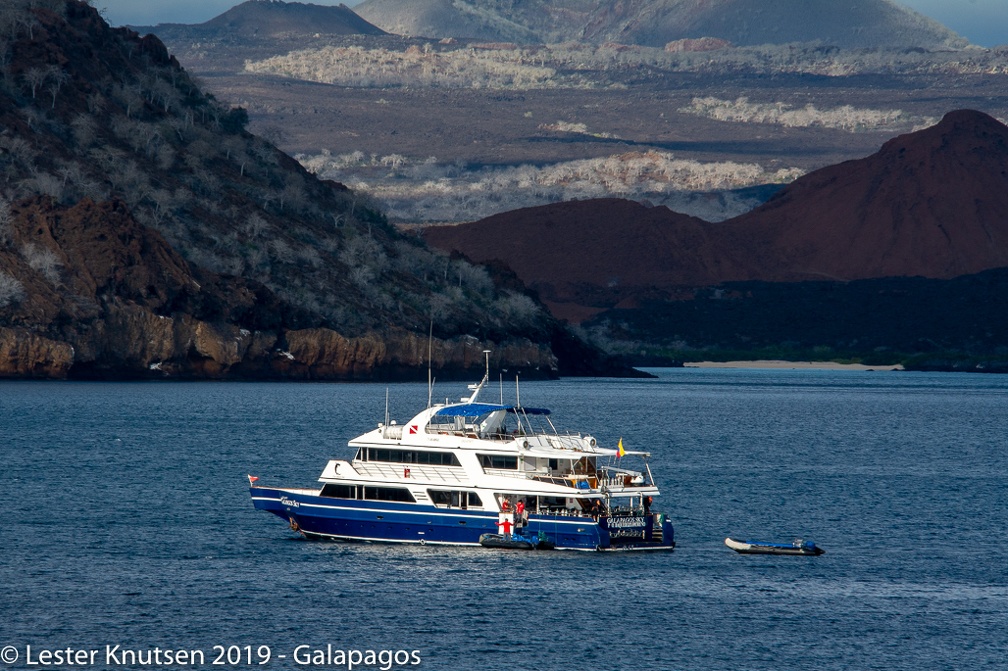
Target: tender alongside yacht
[{"x": 461, "y": 472}]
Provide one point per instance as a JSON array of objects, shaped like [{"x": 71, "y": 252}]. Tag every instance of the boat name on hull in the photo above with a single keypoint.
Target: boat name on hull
[{"x": 625, "y": 522}]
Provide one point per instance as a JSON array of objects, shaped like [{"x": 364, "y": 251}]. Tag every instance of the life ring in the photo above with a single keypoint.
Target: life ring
[{"x": 294, "y": 525}]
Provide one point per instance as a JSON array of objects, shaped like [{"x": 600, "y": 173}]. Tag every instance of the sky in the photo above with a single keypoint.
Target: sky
[{"x": 983, "y": 22}]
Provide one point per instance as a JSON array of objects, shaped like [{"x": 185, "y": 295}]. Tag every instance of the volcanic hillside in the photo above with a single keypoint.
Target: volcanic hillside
[
  {"x": 273, "y": 19},
  {"x": 581, "y": 256},
  {"x": 932, "y": 204},
  {"x": 851, "y": 24},
  {"x": 145, "y": 232}
]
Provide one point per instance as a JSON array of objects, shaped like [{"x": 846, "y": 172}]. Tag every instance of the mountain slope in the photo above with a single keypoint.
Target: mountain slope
[
  {"x": 272, "y": 18},
  {"x": 583, "y": 255},
  {"x": 852, "y": 24},
  {"x": 145, "y": 232},
  {"x": 450, "y": 18},
  {"x": 932, "y": 204}
]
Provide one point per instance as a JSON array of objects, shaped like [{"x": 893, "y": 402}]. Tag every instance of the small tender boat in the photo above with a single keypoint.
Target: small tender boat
[{"x": 795, "y": 547}]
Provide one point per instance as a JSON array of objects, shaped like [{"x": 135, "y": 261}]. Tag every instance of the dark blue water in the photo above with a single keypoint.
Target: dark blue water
[{"x": 126, "y": 521}]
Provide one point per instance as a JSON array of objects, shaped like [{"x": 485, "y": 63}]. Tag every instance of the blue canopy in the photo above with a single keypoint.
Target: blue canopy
[
  {"x": 478, "y": 409},
  {"x": 468, "y": 410}
]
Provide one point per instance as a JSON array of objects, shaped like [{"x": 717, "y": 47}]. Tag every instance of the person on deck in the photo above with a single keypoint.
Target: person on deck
[{"x": 506, "y": 528}]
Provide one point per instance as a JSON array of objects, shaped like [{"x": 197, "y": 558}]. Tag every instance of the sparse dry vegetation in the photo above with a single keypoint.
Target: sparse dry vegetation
[
  {"x": 847, "y": 117},
  {"x": 11, "y": 290},
  {"x": 456, "y": 68},
  {"x": 43, "y": 260},
  {"x": 614, "y": 101},
  {"x": 580, "y": 65},
  {"x": 426, "y": 190},
  {"x": 146, "y": 135}
]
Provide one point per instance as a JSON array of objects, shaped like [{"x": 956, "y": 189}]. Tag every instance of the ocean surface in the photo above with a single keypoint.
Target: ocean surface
[{"x": 126, "y": 521}]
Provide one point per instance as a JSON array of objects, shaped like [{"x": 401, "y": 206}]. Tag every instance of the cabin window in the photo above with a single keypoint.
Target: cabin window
[
  {"x": 499, "y": 461},
  {"x": 339, "y": 491},
  {"x": 412, "y": 457},
  {"x": 439, "y": 498},
  {"x": 388, "y": 494},
  {"x": 436, "y": 458},
  {"x": 550, "y": 502},
  {"x": 454, "y": 498}
]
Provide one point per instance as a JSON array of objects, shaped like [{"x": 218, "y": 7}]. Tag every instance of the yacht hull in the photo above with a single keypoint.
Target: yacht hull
[{"x": 321, "y": 517}]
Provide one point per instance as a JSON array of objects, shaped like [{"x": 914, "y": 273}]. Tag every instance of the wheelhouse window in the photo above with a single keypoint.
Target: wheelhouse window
[
  {"x": 479, "y": 418},
  {"x": 454, "y": 499},
  {"x": 501, "y": 461},
  {"x": 335, "y": 491},
  {"x": 388, "y": 494},
  {"x": 409, "y": 457}
]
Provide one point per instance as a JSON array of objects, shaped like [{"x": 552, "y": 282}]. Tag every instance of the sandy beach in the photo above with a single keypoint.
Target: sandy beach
[{"x": 823, "y": 365}]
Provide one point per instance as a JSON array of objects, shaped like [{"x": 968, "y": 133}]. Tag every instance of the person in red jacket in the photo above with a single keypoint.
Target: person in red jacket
[{"x": 506, "y": 526}]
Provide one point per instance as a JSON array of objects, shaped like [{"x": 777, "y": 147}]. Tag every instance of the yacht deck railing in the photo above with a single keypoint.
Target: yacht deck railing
[{"x": 374, "y": 469}]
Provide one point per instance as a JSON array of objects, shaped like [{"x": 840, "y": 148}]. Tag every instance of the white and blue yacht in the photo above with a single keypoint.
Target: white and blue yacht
[{"x": 461, "y": 471}]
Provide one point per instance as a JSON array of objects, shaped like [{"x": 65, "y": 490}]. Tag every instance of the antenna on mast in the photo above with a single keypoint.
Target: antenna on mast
[
  {"x": 430, "y": 380},
  {"x": 475, "y": 388},
  {"x": 385, "y": 427}
]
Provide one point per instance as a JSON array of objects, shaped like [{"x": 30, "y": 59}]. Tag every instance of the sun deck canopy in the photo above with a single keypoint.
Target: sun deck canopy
[{"x": 480, "y": 409}]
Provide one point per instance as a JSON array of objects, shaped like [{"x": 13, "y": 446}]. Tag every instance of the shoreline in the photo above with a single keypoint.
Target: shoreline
[{"x": 773, "y": 364}]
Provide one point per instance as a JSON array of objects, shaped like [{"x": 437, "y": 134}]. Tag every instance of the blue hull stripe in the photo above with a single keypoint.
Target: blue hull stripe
[{"x": 426, "y": 511}]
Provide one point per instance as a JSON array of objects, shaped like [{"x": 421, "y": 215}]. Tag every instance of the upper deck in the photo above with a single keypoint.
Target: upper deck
[{"x": 494, "y": 446}]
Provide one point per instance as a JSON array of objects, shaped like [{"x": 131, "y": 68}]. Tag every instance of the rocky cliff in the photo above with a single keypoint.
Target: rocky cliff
[
  {"x": 145, "y": 233},
  {"x": 125, "y": 304}
]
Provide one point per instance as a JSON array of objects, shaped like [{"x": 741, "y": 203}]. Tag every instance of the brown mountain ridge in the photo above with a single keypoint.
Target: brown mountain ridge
[
  {"x": 932, "y": 203},
  {"x": 929, "y": 204}
]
